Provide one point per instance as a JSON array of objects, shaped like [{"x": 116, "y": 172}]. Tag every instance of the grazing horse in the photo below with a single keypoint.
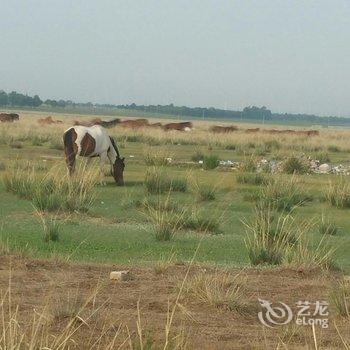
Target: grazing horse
[{"x": 93, "y": 142}]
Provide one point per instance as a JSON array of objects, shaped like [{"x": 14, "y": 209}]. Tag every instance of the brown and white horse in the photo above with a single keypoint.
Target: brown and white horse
[{"x": 93, "y": 142}]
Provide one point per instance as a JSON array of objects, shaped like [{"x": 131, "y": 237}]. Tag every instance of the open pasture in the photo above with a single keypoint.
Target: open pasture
[
  {"x": 177, "y": 200},
  {"x": 116, "y": 226}
]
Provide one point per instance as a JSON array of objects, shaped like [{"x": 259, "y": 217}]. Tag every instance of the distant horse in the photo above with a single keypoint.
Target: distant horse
[
  {"x": 252, "y": 130},
  {"x": 182, "y": 126},
  {"x": 223, "y": 129},
  {"x": 134, "y": 123},
  {"x": 8, "y": 117},
  {"x": 98, "y": 121},
  {"x": 93, "y": 142},
  {"x": 48, "y": 120}
]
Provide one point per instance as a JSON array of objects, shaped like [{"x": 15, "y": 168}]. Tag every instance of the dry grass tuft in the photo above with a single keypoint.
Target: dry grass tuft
[{"x": 220, "y": 289}]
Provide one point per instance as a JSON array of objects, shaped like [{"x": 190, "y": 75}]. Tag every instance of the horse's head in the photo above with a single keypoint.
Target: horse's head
[{"x": 118, "y": 170}]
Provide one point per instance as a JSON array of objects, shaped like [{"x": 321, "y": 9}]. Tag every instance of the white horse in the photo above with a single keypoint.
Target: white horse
[{"x": 92, "y": 142}]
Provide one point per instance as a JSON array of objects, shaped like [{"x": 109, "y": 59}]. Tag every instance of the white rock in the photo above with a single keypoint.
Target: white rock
[
  {"x": 324, "y": 168},
  {"x": 119, "y": 275}
]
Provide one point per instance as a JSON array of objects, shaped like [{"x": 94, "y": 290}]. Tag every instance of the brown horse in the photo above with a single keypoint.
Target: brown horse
[
  {"x": 223, "y": 129},
  {"x": 134, "y": 123},
  {"x": 8, "y": 117},
  {"x": 182, "y": 126},
  {"x": 48, "y": 120}
]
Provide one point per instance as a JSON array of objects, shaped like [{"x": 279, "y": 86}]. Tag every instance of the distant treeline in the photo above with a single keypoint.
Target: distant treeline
[{"x": 251, "y": 113}]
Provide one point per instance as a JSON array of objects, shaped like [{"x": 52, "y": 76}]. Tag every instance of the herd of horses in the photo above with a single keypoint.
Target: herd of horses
[
  {"x": 136, "y": 123},
  {"x": 144, "y": 123},
  {"x": 90, "y": 138},
  {"x": 227, "y": 129}
]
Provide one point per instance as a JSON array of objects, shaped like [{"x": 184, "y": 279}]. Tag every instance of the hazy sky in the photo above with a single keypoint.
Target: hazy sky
[{"x": 291, "y": 56}]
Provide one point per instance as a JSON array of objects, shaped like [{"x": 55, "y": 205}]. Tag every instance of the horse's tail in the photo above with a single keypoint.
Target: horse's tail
[{"x": 69, "y": 138}]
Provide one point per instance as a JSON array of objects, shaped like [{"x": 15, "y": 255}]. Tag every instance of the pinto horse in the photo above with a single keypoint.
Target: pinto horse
[{"x": 93, "y": 142}]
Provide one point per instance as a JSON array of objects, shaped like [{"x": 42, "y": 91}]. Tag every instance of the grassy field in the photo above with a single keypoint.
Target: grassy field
[
  {"x": 64, "y": 233},
  {"x": 116, "y": 227}
]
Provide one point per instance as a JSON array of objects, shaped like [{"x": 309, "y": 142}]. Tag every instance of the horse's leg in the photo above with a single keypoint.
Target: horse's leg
[
  {"x": 103, "y": 159},
  {"x": 70, "y": 161},
  {"x": 70, "y": 149}
]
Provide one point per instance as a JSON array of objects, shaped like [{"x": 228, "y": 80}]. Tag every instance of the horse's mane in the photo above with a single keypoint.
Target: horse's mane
[{"x": 114, "y": 146}]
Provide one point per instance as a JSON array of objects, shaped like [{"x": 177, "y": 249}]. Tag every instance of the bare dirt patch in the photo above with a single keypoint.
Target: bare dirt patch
[{"x": 64, "y": 286}]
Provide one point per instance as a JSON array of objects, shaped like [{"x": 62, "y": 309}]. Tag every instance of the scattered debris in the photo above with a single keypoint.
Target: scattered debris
[
  {"x": 324, "y": 168},
  {"x": 274, "y": 166}
]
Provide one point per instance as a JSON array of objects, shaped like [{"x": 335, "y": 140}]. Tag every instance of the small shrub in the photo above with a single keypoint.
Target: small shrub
[
  {"x": 16, "y": 144},
  {"x": 197, "y": 222},
  {"x": 340, "y": 298},
  {"x": 334, "y": 149},
  {"x": 205, "y": 193},
  {"x": 231, "y": 146},
  {"x": 277, "y": 239},
  {"x": 56, "y": 144},
  {"x": 197, "y": 156},
  {"x": 260, "y": 151},
  {"x": 178, "y": 184},
  {"x": 165, "y": 222},
  {"x": 218, "y": 289},
  {"x": 210, "y": 162},
  {"x": 248, "y": 165},
  {"x": 163, "y": 264},
  {"x": 157, "y": 181},
  {"x": 67, "y": 307},
  {"x": 272, "y": 145},
  {"x": 283, "y": 195},
  {"x": 338, "y": 193},
  {"x": 153, "y": 158},
  {"x": 305, "y": 256},
  {"x": 37, "y": 140},
  {"x": 167, "y": 205},
  {"x": 135, "y": 138},
  {"x": 327, "y": 227},
  {"x": 252, "y": 179},
  {"x": 53, "y": 191},
  {"x": 51, "y": 230},
  {"x": 295, "y": 165},
  {"x": 51, "y": 227},
  {"x": 323, "y": 157},
  {"x": 267, "y": 236}
]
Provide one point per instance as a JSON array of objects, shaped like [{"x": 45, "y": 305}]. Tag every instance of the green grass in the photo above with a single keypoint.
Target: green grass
[
  {"x": 52, "y": 192},
  {"x": 252, "y": 178},
  {"x": 114, "y": 232},
  {"x": 294, "y": 165},
  {"x": 210, "y": 161}
]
